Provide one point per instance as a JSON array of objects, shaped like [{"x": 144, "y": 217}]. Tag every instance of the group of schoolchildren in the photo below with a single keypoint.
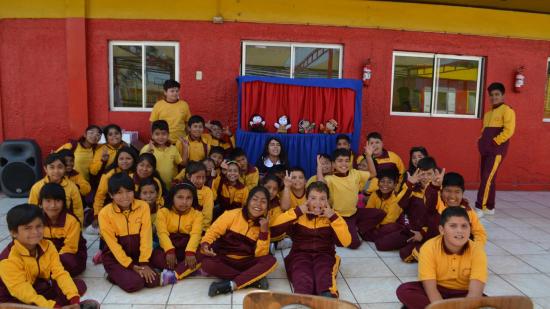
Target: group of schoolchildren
[{"x": 191, "y": 202}]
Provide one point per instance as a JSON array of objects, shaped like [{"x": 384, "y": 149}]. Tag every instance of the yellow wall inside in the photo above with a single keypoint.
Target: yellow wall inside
[{"x": 352, "y": 13}]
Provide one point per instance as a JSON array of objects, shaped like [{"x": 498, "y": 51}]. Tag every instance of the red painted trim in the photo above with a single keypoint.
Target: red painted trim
[{"x": 77, "y": 88}]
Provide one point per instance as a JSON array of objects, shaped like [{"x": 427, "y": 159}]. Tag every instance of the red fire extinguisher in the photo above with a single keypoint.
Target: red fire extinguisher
[
  {"x": 519, "y": 79},
  {"x": 367, "y": 73}
]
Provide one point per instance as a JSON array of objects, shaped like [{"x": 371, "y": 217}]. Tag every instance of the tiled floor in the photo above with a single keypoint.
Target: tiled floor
[{"x": 518, "y": 249}]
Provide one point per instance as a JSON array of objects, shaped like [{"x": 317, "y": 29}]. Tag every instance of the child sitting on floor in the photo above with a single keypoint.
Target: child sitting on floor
[
  {"x": 63, "y": 229},
  {"x": 30, "y": 269},
  {"x": 236, "y": 247},
  {"x": 450, "y": 265},
  {"x": 312, "y": 263},
  {"x": 179, "y": 229}
]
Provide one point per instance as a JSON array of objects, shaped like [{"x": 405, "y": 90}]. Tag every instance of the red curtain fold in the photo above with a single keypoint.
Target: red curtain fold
[{"x": 316, "y": 104}]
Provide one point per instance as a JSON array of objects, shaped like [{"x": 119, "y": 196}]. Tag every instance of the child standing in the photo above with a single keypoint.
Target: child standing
[
  {"x": 30, "y": 268},
  {"x": 314, "y": 228},
  {"x": 84, "y": 149},
  {"x": 63, "y": 229},
  {"x": 125, "y": 226},
  {"x": 168, "y": 158},
  {"x": 179, "y": 228},
  {"x": 54, "y": 166},
  {"x": 173, "y": 110},
  {"x": 236, "y": 247},
  {"x": 450, "y": 265}
]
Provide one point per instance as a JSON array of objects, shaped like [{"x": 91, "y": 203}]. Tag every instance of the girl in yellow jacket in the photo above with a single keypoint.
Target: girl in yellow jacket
[
  {"x": 125, "y": 226},
  {"x": 179, "y": 229},
  {"x": 84, "y": 150},
  {"x": 30, "y": 269},
  {"x": 236, "y": 247},
  {"x": 63, "y": 229}
]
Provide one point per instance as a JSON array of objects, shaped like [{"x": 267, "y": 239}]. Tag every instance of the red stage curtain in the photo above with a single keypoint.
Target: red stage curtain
[{"x": 316, "y": 104}]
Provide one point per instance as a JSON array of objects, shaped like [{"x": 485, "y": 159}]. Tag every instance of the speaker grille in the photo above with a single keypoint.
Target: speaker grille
[{"x": 18, "y": 177}]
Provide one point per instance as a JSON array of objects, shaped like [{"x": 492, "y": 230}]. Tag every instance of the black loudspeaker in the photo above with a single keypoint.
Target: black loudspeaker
[{"x": 20, "y": 166}]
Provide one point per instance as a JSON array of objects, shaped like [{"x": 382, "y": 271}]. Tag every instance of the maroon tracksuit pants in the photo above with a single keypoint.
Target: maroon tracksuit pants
[
  {"x": 312, "y": 272},
  {"x": 241, "y": 271},
  {"x": 488, "y": 172},
  {"x": 364, "y": 222},
  {"x": 49, "y": 289},
  {"x": 158, "y": 258},
  {"x": 74, "y": 263},
  {"x": 413, "y": 296},
  {"x": 126, "y": 278}
]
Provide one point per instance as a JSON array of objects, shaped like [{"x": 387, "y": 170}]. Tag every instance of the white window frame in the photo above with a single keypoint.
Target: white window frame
[
  {"x": 546, "y": 89},
  {"x": 292, "y": 47},
  {"x": 143, "y": 45},
  {"x": 435, "y": 79}
]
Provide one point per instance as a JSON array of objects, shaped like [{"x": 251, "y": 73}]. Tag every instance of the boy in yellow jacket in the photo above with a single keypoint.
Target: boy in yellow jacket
[{"x": 30, "y": 269}]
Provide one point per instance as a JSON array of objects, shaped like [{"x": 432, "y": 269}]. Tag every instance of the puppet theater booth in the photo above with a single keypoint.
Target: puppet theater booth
[{"x": 316, "y": 100}]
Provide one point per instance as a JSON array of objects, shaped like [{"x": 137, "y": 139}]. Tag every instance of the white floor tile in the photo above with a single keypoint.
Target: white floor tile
[
  {"x": 508, "y": 264},
  {"x": 154, "y": 296},
  {"x": 279, "y": 285},
  {"x": 519, "y": 246},
  {"x": 539, "y": 261},
  {"x": 374, "y": 290},
  {"x": 344, "y": 290},
  {"x": 199, "y": 307},
  {"x": 492, "y": 249},
  {"x": 399, "y": 268},
  {"x": 364, "y": 267},
  {"x": 363, "y": 251},
  {"x": 97, "y": 288},
  {"x": 543, "y": 302},
  {"x": 532, "y": 285},
  {"x": 280, "y": 271},
  {"x": 530, "y": 232},
  {"x": 195, "y": 291},
  {"x": 500, "y": 233}
]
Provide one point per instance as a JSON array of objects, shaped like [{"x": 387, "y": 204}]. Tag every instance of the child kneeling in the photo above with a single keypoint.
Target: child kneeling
[
  {"x": 30, "y": 268},
  {"x": 315, "y": 229},
  {"x": 450, "y": 265},
  {"x": 236, "y": 247}
]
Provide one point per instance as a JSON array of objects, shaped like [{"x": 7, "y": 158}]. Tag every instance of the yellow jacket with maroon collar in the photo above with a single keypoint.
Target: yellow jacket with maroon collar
[
  {"x": 312, "y": 233},
  {"x": 499, "y": 125},
  {"x": 127, "y": 233},
  {"x": 81, "y": 183},
  {"x": 19, "y": 271},
  {"x": 226, "y": 143},
  {"x": 435, "y": 204},
  {"x": 198, "y": 148},
  {"x": 97, "y": 166},
  {"x": 206, "y": 204},
  {"x": 237, "y": 236},
  {"x": 65, "y": 234},
  {"x": 231, "y": 196},
  {"x": 74, "y": 200},
  {"x": 173, "y": 224},
  {"x": 83, "y": 156},
  {"x": 389, "y": 203},
  {"x": 250, "y": 177}
]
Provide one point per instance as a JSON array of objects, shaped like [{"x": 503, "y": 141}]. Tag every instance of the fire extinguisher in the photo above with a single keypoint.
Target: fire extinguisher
[
  {"x": 367, "y": 73},
  {"x": 519, "y": 79}
]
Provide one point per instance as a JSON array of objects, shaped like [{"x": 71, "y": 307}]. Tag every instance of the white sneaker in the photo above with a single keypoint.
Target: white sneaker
[
  {"x": 489, "y": 212},
  {"x": 91, "y": 230},
  {"x": 284, "y": 244},
  {"x": 479, "y": 213}
]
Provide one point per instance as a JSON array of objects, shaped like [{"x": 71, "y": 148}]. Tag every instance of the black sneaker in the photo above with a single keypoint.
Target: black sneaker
[
  {"x": 261, "y": 284},
  {"x": 217, "y": 288},
  {"x": 89, "y": 304},
  {"x": 327, "y": 294}
]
